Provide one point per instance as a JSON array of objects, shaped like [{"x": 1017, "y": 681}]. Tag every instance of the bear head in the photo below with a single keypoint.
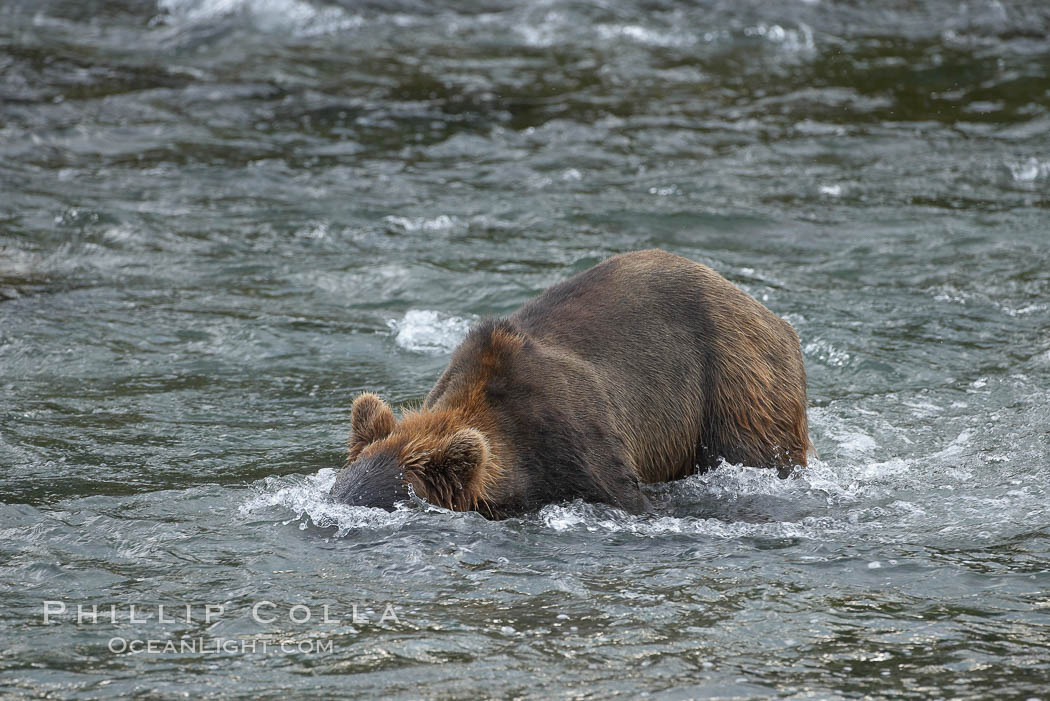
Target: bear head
[{"x": 444, "y": 461}]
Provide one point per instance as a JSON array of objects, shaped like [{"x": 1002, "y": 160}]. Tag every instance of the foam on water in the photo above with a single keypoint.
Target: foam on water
[
  {"x": 1028, "y": 170},
  {"x": 302, "y": 18},
  {"x": 823, "y": 351},
  {"x": 428, "y": 331},
  {"x": 644, "y": 35},
  {"x": 798, "y": 41},
  {"x": 593, "y": 518},
  {"x": 442, "y": 222}
]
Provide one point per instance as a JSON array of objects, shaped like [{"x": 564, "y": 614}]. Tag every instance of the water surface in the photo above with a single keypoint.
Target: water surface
[{"x": 221, "y": 219}]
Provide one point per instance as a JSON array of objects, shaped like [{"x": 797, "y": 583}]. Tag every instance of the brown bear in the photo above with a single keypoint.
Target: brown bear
[{"x": 645, "y": 368}]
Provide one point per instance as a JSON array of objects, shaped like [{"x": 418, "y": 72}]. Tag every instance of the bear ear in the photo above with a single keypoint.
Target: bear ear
[
  {"x": 448, "y": 473},
  {"x": 370, "y": 420}
]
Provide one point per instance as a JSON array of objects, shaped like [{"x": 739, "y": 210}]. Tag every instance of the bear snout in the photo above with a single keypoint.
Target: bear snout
[{"x": 375, "y": 481}]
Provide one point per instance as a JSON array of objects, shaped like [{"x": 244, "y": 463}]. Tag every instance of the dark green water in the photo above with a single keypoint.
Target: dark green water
[{"x": 221, "y": 219}]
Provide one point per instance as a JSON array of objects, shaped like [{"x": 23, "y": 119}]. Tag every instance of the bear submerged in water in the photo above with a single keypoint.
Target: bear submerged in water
[{"x": 645, "y": 368}]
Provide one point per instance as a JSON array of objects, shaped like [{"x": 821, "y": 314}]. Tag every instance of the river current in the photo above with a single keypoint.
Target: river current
[{"x": 222, "y": 219}]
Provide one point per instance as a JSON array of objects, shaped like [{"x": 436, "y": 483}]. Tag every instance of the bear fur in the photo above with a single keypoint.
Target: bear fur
[{"x": 645, "y": 368}]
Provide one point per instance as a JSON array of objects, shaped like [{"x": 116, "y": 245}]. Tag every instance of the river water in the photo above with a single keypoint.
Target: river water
[{"x": 221, "y": 219}]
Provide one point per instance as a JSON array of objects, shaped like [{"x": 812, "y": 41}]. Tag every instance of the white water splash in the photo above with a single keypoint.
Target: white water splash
[
  {"x": 301, "y": 18},
  {"x": 792, "y": 40},
  {"x": 306, "y": 497},
  {"x": 427, "y": 331},
  {"x": 579, "y": 516},
  {"x": 823, "y": 351},
  {"x": 644, "y": 35},
  {"x": 1028, "y": 170},
  {"x": 441, "y": 222}
]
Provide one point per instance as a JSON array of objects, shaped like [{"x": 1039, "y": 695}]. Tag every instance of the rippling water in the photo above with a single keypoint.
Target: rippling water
[{"x": 221, "y": 219}]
